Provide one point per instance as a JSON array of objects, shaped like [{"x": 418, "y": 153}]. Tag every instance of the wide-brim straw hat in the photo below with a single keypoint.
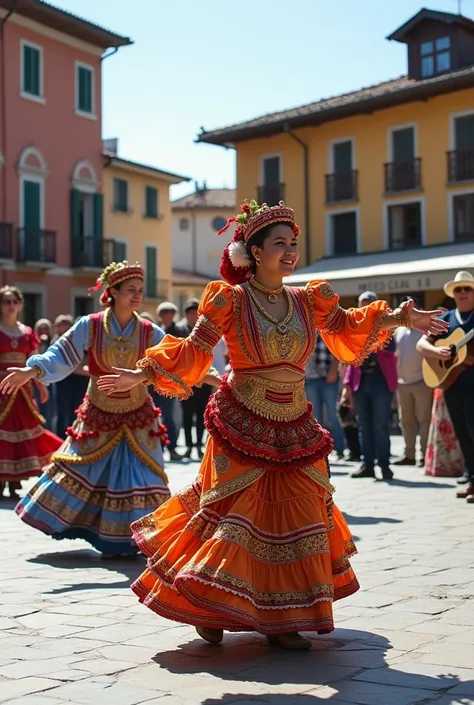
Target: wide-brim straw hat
[{"x": 461, "y": 279}]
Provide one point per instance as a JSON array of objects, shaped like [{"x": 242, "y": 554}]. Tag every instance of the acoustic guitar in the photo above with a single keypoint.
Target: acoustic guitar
[{"x": 443, "y": 373}]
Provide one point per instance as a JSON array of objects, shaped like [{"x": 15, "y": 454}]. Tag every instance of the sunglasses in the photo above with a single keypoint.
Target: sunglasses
[{"x": 463, "y": 289}]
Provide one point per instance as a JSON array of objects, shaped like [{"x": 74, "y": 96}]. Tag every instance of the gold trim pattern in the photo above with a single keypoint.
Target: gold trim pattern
[
  {"x": 205, "y": 335},
  {"x": 90, "y": 458},
  {"x": 326, "y": 290},
  {"x": 320, "y": 477},
  {"x": 216, "y": 494},
  {"x": 280, "y": 549},
  {"x": 372, "y": 344},
  {"x": 13, "y": 358},
  {"x": 236, "y": 293},
  {"x": 219, "y": 301},
  {"x": 121, "y": 403},
  {"x": 221, "y": 464},
  {"x": 278, "y": 401},
  {"x": 158, "y": 371},
  {"x": 21, "y": 436},
  {"x": 260, "y": 599}
]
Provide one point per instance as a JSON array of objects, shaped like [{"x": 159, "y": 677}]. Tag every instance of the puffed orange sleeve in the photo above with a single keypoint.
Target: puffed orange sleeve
[
  {"x": 350, "y": 334},
  {"x": 176, "y": 365}
]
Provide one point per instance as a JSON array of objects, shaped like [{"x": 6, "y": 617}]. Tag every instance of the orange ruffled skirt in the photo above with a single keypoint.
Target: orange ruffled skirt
[{"x": 247, "y": 549}]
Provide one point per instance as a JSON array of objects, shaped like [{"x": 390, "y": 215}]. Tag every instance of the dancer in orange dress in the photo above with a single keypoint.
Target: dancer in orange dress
[
  {"x": 26, "y": 447},
  {"x": 256, "y": 542}
]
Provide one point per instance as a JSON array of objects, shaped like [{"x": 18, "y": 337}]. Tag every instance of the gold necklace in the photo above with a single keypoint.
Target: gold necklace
[
  {"x": 272, "y": 294},
  {"x": 120, "y": 338},
  {"x": 281, "y": 326}
]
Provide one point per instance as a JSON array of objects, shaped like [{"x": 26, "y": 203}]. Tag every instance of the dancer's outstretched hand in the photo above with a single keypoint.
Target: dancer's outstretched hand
[
  {"x": 17, "y": 377},
  {"x": 121, "y": 381}
]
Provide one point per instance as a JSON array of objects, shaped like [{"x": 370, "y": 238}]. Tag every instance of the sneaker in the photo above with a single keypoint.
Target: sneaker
[{"x": 405, "y": 461}]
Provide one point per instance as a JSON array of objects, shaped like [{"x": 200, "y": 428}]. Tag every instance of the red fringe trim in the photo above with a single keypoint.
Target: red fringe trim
[
  {"x": 273, "y": 445},
  {"x": 99, "y": 420}
]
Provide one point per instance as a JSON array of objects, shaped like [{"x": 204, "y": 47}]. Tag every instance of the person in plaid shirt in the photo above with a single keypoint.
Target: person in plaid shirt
[{"x": 322, "y": 390}]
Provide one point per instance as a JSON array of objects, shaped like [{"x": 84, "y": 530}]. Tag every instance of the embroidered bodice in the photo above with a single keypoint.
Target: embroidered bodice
[
  {"x": 254, "y": 343},
  {"x": 15, "y": 350}
]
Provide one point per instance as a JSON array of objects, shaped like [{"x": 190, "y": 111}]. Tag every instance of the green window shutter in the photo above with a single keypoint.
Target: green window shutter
[
  {"x": 403, "y": 145},
  {"x": 31, "y": 70},
  {"x": 75, "y": 215},
  {"x": 84, "y": 80},
  {"x": 99, "y": 230},
  {"x": 120, "y": 251},
  {"x": 342, "y": 157},
  {"x": 150, "y": 282},
  {"x": 31, "y": 204},
  {"x": 465, "y": 132},
  {"x": 121, "y": 195},
  {"x": 151, "y": 202}
]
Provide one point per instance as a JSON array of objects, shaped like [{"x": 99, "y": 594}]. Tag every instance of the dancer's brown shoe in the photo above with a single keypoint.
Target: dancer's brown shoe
[
  {"x": 466, "y": 491},
  {"x": 213, "y": 636}
]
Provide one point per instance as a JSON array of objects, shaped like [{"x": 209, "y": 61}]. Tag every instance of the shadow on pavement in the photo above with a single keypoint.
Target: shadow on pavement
[
  {"x": 421, "y": 484},
  {"x": 351, "y": 662},
  {"x": 363, "y": 521},
  {"x": 86, "y": 559}
]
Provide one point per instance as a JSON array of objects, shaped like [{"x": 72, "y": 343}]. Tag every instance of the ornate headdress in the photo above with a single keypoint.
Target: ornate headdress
[
  {"x": 113, "y": 275},
  {"x": 235, "y": 264}
]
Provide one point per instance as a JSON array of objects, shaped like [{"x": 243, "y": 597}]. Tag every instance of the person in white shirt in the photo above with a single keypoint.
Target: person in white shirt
[{"x": 414, "y": 398}]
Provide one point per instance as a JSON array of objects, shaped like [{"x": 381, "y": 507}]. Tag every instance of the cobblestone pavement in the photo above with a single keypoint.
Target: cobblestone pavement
[{"x": 72, "y": 632}]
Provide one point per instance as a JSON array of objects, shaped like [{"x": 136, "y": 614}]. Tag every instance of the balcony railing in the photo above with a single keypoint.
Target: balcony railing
[
  {"x": 6, "y": 240},
  {"x": 403, "y": 175},
  {"x": 36, "y": 245},
  {"x": 271, "y": 194},
  {"x": 341, "y": 186},
  {"x": 461, "y": 165},
  {"x": 157, "y": 289},
  {"x": 90, "y": 251}
]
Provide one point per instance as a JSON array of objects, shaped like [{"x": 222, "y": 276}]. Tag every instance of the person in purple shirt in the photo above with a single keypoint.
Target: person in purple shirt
[{"x": 369, "y": 390}]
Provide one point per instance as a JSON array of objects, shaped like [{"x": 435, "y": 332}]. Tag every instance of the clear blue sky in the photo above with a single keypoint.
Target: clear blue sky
[{"x": 215, "y": 62}]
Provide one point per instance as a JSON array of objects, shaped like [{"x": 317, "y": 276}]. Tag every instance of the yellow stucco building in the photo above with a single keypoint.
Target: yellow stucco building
[
  {"x": 137, "y": 222},
  {"x": 382, "y": 179}
]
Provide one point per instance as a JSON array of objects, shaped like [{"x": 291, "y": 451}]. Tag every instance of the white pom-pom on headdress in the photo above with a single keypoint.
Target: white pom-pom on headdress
[{"x": 238, "y": 254}]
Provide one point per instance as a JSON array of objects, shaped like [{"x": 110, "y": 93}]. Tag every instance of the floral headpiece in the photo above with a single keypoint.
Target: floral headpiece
[
  {"x": 114, "y": 274},
  {"x": 235, "y": 265}
]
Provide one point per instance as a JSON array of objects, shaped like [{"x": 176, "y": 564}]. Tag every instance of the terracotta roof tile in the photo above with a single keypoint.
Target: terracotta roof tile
[{"x": 206, "y": 199}]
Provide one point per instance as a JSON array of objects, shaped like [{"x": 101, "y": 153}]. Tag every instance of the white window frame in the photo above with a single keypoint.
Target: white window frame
[
  {"x": 396, "y": 128},
  {"x": 262, "y": 170},
  {"x": 24, "y": 94},
  {"x": 341, "y": 140},
  {"x": 451, "y": 196},
  {"x": 401, "y": 202},
  {"x": 82, "y": 65},
  {"x": 330, "y": 229}
]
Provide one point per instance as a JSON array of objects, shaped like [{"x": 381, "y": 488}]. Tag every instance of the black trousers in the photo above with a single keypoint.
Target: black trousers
[
  {"x": 193, "y": 413},
  {"x": 460, "y": 403}
]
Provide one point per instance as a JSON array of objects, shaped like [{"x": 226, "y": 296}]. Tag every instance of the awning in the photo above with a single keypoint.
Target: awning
[{"x": 423, "y": 269}]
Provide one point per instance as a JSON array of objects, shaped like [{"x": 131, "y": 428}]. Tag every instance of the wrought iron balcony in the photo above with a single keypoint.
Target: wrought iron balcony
[
  {"x": 6, "y": 240},
  {"x": 90, "y": 251},
  {"x": 461, "y": 165},
  {"x": 341, "y": 186},
  {"x": 271, "y": 194},
  {"x": 157, "y": 289},
  {"x": 403, "y": 175},
  {"x": 36, "y": 245}
]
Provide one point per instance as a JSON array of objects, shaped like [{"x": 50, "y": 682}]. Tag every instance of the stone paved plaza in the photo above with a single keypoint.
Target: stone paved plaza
[{"x": 72, "y": 632}]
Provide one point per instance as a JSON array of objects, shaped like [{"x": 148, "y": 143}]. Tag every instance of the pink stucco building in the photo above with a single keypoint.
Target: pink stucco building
[{"x": 51, "y": 219}]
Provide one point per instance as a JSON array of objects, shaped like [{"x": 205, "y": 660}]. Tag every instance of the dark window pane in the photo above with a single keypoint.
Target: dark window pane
[
  {"x": 31, "y": 70},
  {"x": 342, "y": 152},
  {"x": 84, "y": 78},
  {"x": 345, "y": 233},
  {"x": 426, "y": 48},
  {"x": 463, "y": 207},
  {"x": 443, "y": 43},
  {"x": 271, "y": 171},
  {"x": 151, "y": 202},
  {"x": 120, "y": 195},
  {"x": 403, "y": 144},
  {"x": 405, "y": 226},
  {"x": 443, "y": 62},
  {"x": 464, "y": 127},
  {"x": 427, "y": 66}
]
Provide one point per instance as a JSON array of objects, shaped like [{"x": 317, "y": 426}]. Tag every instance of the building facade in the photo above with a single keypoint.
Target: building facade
[
  {"x": 197, "y": 218},
  {"x": 138, "y": 223},
  {"x": 51, "y": 155},
  {"x": 382, "y": 178}
]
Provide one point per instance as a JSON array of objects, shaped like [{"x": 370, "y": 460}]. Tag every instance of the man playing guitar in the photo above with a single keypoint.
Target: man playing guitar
[{"x": 459, "y": 395}]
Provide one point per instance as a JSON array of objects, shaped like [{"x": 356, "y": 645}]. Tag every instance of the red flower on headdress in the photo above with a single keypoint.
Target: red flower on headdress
[{"x": 245, "y": 208}]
